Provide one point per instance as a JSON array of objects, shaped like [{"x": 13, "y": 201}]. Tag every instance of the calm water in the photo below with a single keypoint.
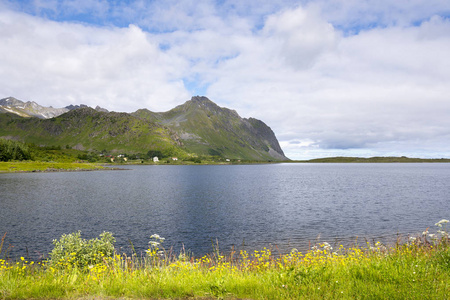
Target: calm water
[{"x": 249, "y": 206}]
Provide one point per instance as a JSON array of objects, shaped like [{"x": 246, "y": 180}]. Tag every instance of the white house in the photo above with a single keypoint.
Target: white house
[{"x": 155, "y": 159}]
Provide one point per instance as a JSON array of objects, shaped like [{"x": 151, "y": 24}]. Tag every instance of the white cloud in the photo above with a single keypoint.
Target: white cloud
[
  {"x": 368, "y": 91},
  {"x": 300, "y": 36},
  {"x": 61, "y": 63},
  {"x": 330, "y": 77}
]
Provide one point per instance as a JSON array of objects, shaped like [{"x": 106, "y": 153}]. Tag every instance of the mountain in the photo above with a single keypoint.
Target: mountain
[
  {"x": 198, "y": 126},
  {"x": 205, "y": 128},
  {"x": 88, "y": 129},
  {"x": 29, "y": 109},
  {"x": 32, "y": 109}
]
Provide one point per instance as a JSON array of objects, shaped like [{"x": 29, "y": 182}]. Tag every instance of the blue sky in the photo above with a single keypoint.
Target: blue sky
[{"x": 330, "y": 77}]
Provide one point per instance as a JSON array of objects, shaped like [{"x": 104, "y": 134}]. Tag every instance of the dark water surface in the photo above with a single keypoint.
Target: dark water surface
[{"x": 249, "y": 206}]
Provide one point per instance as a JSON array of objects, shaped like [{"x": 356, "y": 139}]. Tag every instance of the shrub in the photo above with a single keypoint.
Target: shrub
[
  {"x": 12, "y": 150},
  {"x": 72, "y": 250},
  {"x": 90, "y": 157}
]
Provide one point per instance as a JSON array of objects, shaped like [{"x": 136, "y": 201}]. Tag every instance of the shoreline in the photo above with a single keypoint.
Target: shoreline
[{"x": 49, "y": 167}]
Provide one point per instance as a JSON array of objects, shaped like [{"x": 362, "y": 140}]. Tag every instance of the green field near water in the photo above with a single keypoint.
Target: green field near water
[{"x": 38, "y": 166}]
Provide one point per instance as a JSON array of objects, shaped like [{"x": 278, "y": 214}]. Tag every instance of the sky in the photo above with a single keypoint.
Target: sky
[{"x": 330, "y": 77}]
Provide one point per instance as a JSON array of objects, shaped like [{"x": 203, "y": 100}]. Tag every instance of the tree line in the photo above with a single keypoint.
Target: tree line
[{"x": 13, "y": 150}]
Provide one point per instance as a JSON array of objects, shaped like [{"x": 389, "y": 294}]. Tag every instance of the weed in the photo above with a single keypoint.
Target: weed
[
  {"x": 416, "y": 269},
  {"x": 72, "y": 250}
]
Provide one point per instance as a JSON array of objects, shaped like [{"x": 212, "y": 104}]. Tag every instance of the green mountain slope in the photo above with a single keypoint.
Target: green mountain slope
[
  {"x": 205, "y": 128},
  {"x": 198, "y": 126},
  {"x": 88, "y": 129}
]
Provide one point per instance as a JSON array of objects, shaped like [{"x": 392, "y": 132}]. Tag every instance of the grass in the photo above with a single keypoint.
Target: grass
[
  {"x": 416, "y": 269},
  {"x": 59, "y": 166},
  {"x": 378, "y": 159},
  {"x": 39, "y": 166}
]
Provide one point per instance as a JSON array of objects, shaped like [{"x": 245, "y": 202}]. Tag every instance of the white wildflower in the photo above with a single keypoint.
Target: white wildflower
[
  {"x": 425, "y": 233},
  {"x": 157, "y": 237},
  {"x": 412, "y": 239},
  {"x": 442, "y": 232},
  {"x": 327, "y": 246},
  {"x": 443, "y": 221},
  {"x": 153, "y": 244}
]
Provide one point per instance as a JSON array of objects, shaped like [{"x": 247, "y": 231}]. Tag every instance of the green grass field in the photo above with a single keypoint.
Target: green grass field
[
  {"x": 379, "y": 159},
  {"x": 39, "y": 166},
  {"x": 416, "y": 269}
]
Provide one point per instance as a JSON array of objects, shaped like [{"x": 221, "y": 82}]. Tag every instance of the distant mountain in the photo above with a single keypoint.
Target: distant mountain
[
  {"x": 29, "y": 109},
  {"x": 32, "y": 109},
  {"x": 198, "y": 126}
]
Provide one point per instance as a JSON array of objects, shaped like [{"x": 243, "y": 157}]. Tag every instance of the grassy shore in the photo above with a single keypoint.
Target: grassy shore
[
  {"x": 39, "y": 166},
  {"x": 377, "y": 159},
  {"x": 416, "y": 269}
]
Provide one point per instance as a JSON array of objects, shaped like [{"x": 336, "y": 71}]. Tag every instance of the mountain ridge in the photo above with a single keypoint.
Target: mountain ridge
[
  {"x": 199, "y": 126},
  {"x": 205, "y": 128},
  {"x": 32, "y": 109}
]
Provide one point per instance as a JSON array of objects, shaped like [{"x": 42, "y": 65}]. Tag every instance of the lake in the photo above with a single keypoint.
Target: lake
[{"x": 245, "y": 206}]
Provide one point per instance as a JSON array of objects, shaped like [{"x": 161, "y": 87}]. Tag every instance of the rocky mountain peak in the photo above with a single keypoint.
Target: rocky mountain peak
[
  {"x": 72, "y": 107},
  {"x": 200, "y": 99},
  {"x": 33, "y": 109},
  {"x": 203, "y": 103},
  {"x": 101, "y": 109},
  {"x": 11, "y": 101}
]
